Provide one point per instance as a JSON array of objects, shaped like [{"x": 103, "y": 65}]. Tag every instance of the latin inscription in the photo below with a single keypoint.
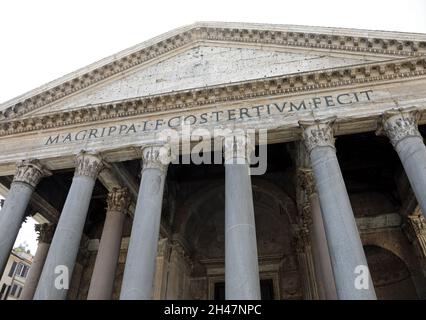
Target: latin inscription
[{"x": 237, "y": 114}]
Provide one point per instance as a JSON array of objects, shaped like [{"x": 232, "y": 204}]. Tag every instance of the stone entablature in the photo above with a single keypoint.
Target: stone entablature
[
  {"x": 248, "y": 90},
  {"x": 358, "y": 95}
]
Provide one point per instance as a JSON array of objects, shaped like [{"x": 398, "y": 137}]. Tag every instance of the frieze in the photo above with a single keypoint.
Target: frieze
[{"x": 213, "y": 117}]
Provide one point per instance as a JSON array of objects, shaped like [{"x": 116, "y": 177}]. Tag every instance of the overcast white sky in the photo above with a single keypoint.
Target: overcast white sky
[{"x": 45, "y": 39}]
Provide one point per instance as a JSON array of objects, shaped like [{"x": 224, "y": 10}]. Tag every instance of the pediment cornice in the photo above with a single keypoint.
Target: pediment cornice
[
  {"x": 398, "y": 69},
  {"x": 344, "y": 40}
]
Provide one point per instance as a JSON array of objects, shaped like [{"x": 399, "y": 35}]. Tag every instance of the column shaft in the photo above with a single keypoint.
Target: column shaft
[
  {"x": 11, "y": 217},
  {"x": 140, "y": 262},
  {"x": 344, "y": 243},
  {"x": 345, "y": 247},
  {"x": 102, "y": 282},
  {"x": 323, "y": 269},
  {"x": 241, "y": 262},
  {"x": 12, "y": 214},
  {"x": 45, "y": 232},
  {"x": 412, "y": 153},
  {"x": 58, "y": 268},
  {"x": 400, "y": 125},
  {"x": 35, "y": 271}
]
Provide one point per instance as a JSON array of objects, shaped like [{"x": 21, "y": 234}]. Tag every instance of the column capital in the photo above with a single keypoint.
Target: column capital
[
  {"x": 118, "y": 200},
  {"x": 318, "y": 133},
  {"x": 415, "y": 229},
  {"x": 88, "y": 164},
  {"x": 418, "y": 224},
  {"x": 307, "y": 180},
  {"x": 399, "y": 124},
  {"x": 156, "y": 156},
  {"x": 30, "y": 172},
  {"x": 45, "y": 232},
  {"x": 238, "y": 148}
]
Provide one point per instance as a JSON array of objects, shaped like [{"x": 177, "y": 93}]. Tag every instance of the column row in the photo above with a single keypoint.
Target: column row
[
  {"x": 241, "y": 267},
  {"x": 55, "y": 262}
]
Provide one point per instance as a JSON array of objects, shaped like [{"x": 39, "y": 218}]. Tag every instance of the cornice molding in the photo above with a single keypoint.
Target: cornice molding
[
  {"x": 199, "y": 32},
  {"x": 187, "y": 99}
]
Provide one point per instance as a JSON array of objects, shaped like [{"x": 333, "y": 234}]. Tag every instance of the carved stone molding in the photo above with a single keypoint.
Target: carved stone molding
[
  {"x": 118, "y": 200},
  {"x": 302, "y": 232},
  {"x": 156, "y": 156},
  {"x": 30, "y": 172},
  {"x": 274, "y": 86},
  {"x": 356, "y": 44},
  {"x": 45, "y": 232},
  {"x": 238, "y": 148},
  {"x": 318, "y": 133},
  {"x": 400, "y": 123},
  {"x": 88, "y": 165},
  {"x": 306, "y": 180},
  {"x": 416, "y": 231}
]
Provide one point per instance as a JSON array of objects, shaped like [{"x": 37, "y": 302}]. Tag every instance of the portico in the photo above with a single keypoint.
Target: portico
[{"x": 101, "y": 154}]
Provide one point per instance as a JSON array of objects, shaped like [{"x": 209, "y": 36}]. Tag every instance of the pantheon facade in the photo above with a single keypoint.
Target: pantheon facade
[{"x": 104, "y": 159}]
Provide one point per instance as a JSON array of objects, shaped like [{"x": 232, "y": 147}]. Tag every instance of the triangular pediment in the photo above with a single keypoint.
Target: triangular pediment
[{"x": 205, "y": 55}]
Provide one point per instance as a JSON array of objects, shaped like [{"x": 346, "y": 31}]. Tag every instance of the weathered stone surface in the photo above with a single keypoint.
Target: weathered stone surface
[{"x": 227, "y": 76}]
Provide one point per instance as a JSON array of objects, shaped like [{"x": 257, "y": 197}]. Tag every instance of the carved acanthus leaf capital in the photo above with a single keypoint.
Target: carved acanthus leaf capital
[
  {"x": 30, "y": 172},
  {"x": 318, "y": 133},
  {"x": 45, "y": 232},
  {"x": 418, "y": 224},
  {"x": 156, "y": 156},
  {"x": 118, "y": 200},
  {"x": 306, "y": 180},
  {"x": 400, "y": 123},
  {"x": 88, "y": 164},
  {"x": 238, "y": 148},
  {"x": 415, "y": 229}
]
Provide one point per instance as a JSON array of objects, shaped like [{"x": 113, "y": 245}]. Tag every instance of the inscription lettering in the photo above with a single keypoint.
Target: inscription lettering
[{"x": 236, "y": 114}]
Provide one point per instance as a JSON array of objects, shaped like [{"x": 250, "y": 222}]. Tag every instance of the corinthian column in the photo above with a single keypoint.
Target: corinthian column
[
  {"x": 45, "y": 235},
  {"x": 401, "y": 128},
  {"x": 102, "y": 283},
  {"x": 55, "y": 278},
  {"x": 140, "y": 262},
  {"x": 28, "y": 174},
  {"x": 241, "y": 265},
  {"x": 348, "y": 261}
]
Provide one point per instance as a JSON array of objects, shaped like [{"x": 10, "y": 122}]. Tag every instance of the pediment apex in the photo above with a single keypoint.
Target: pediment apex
[{"x": 380, "y": 43}]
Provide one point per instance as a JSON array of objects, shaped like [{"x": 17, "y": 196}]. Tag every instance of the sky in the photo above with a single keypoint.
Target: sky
[{"x": 45, "y": 39}]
